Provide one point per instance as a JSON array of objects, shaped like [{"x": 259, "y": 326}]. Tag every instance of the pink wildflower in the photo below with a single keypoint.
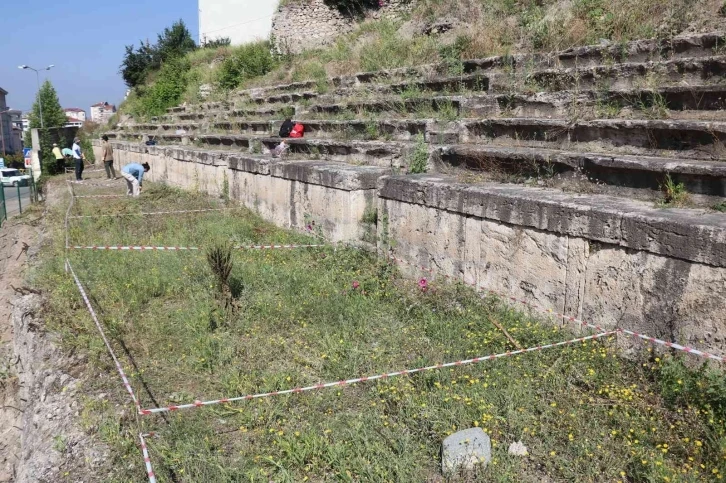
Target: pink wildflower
[
  {"x": 355, "y": 285},
  {"x": 423, "y": 284}
]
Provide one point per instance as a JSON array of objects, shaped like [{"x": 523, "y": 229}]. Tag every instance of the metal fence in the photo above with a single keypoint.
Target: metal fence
[{"x": 10, "y": 206}]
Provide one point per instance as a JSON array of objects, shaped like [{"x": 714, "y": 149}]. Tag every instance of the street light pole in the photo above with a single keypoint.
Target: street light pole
[{"x": 37, "y": 78}]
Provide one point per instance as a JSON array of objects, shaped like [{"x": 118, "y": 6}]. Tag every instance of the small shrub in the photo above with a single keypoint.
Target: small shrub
[
  {"x": 419, "y": 158},
  {"x": 721, "y": 207},
  {"x": 166, "y": 91},
  {"x": 370, "y": 216},
  {"x": 244, "y": 63},
  {"x": 674, "y": 194},
  {"x": 219, "y": 258}
]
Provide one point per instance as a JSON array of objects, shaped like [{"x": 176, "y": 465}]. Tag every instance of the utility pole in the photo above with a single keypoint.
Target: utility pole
[{"x": 37, "y": 78}]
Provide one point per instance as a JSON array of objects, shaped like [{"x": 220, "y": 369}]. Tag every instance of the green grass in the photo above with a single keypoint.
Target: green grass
[
  {"x": 674, "y": 194},
  {"x": 585, "y": 413}
]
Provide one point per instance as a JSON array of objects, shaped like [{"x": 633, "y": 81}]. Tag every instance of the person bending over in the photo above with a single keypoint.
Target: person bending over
[{"x": 134, "y": 174}]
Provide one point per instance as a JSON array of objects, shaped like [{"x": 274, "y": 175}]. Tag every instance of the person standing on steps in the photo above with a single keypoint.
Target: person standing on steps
[
  {"x": 60, "y": 160},
  {"x": 107, "y": 157},
  {"x": 78, "y": 158},
  {"x": 134, "y": 174}
]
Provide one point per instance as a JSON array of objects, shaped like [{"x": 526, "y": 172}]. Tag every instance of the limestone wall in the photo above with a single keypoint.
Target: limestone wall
[
  {"x": 307, "y": 24},
  {"x": 616, "y": 266},
  {"x": 331, "y": 198},
  {"x": 609, "y": 261}
]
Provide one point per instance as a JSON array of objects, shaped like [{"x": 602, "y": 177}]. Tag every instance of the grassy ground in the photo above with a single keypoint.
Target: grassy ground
[{"x": 318, "y": 315}]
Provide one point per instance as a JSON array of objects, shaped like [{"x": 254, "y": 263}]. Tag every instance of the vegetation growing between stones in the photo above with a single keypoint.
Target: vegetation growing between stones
[
  {"x": 674, "y": 194},
  {"x": 475, "y": 28},
  {"x": 584, "y": 412}
]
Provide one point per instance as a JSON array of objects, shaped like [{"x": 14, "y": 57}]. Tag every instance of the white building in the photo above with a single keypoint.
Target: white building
[
  {"x": 102, "y": 112},
  {"x": 73, "y": 122},
  {"x": 241, "y": 20},
  {"x": 75, "y": 113}
]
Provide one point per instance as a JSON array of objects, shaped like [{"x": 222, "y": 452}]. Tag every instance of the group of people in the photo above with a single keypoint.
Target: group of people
[{"x": 133, "y": 173}]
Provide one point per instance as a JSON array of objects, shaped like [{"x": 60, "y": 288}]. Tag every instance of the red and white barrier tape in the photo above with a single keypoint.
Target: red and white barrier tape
[
  {"x": 147, "y": 460},
  {"x": 568, "y": 318},
  {"x": 199, "y": 404},
  {"x": 236, "y": 247},
  {"x": 103, "y": 336},
  {"x": 152, "y": 213}
]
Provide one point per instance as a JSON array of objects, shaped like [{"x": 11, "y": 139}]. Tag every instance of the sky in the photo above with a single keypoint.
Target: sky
[{"x": 84, "y": 40}]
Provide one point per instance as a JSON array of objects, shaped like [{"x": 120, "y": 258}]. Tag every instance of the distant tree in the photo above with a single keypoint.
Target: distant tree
[
  {"x": 216, "y": 43},
  {"x": 136, "y": 64},
  {"x": 173, "y": 42},
  {"x": 53, "y": 114}
]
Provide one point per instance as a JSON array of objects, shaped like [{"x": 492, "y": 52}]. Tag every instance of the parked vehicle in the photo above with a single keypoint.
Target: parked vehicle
[{"x": 12, "y": 177}]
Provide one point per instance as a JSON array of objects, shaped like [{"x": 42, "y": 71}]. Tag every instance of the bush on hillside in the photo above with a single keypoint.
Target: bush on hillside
[
  {"x": 216, "y": 43},
  {"x": 166, "y": 90},
  {"x": 353, "y": 8},
  {"x": 246, "y": 62}
]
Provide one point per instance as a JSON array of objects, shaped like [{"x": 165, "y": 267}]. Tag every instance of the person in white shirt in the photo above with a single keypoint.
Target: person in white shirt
[{"x": 78, "y": 158}]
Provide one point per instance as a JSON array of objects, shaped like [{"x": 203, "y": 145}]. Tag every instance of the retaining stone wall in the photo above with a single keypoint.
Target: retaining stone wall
[
  {"x": 331, "y": 197},
  {"x": 309, "y": 24},
  {"x": 616, "y": 264}
]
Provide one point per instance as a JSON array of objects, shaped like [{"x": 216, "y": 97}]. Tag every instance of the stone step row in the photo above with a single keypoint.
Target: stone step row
[
  {"x": 701, "y": 177},
  {"x": 666, "y": 102},
  {"x": 638, "y": 51},
  {"x": 680, "y": 75},
  {"x": 694, "y": 235},
  {"x": 672, "y": 138}
]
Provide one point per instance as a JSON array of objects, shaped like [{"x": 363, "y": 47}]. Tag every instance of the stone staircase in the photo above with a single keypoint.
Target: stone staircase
[
  {"x": 614, "y": 120},
  {"x": 554, "y": 179}
]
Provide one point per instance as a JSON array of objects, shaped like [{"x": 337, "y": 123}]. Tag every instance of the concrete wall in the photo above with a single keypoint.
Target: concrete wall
[
  {"x": 611, "y": 262},
  {"x": 241, "y": 21}
]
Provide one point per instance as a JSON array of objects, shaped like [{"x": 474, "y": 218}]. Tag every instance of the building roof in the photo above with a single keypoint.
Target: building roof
[
  {"x": 3, "y": 91},
  {"x": 74, "y": 109}
]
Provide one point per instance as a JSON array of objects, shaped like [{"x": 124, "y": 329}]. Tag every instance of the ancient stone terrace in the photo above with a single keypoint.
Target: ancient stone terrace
[{"x": 610, "y": 119}]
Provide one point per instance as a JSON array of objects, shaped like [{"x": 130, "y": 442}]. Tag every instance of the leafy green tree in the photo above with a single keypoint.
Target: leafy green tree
[
  {"x": 136, "y": 64},
  {"x": 173, "y": 42},
  {"x": 53, "y": 114}
]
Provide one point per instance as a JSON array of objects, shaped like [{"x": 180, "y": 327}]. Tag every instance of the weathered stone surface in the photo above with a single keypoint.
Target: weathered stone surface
[
  {"x": 338, "y": 176},
  {"x": 298, "y": 26},
  {"x": 599, "y": 218},
  {"x": 465, "y": 450}
]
